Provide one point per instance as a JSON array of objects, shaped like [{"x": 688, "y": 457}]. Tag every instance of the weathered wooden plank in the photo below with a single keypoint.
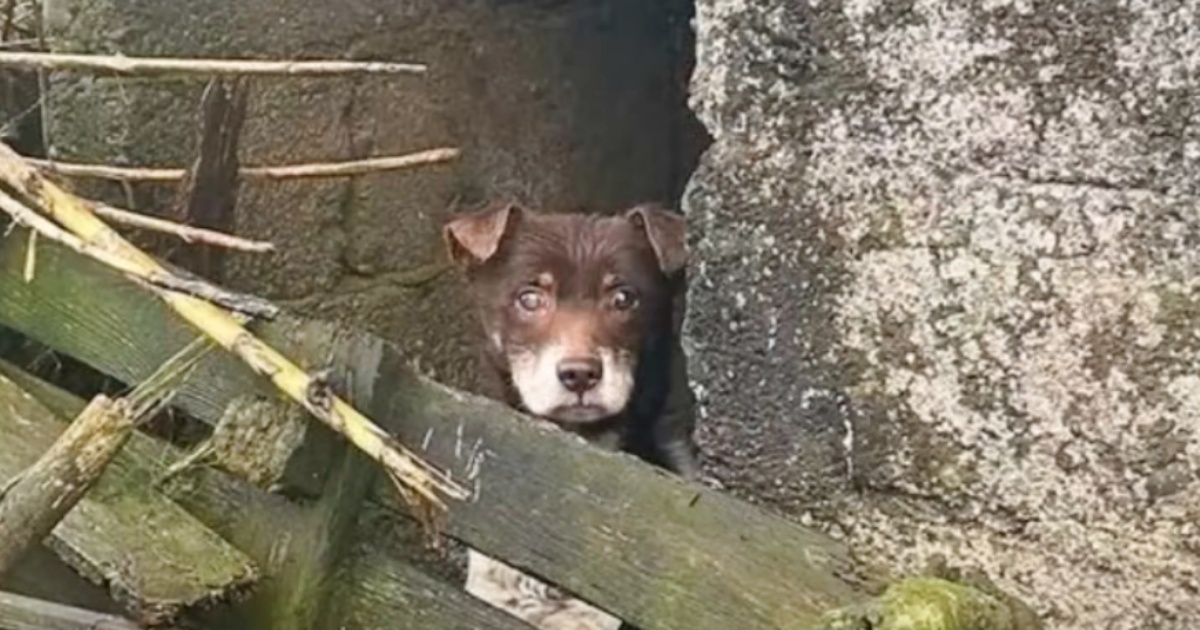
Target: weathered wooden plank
[
  {"x": 18, "y": 612},
  {"x": 371, "y": 601},
  {"x": 310, "y": 600},
  {"x": 375, "y": 590},
  {"x": 660, "y": 553},
  {"x": 95, "y": 537}
]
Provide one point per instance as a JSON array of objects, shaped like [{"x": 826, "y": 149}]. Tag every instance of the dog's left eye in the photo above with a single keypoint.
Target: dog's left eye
[
  {"x": 624, "y": 299},
  {"x": 531, "y": 299}
]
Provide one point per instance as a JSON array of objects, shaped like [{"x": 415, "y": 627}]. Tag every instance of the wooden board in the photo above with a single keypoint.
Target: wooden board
[
  {"x": 653, "y": 550},
  {"x": 18, "y": 612}
]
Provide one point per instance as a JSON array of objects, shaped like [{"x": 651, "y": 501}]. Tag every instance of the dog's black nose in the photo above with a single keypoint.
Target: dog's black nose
[{"x": 579, "y": 375}]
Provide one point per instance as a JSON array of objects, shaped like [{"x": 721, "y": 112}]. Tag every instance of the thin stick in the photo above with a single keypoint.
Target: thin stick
[
  {"x": 249, "y": 304},
  {"x": 349, "y": 168},
  {"x": 175, "y": 66},
  {"x": 352, "y": 168},
  {"x": 20, "y": 43},
  {"x": 10, "y": 16},
  {"x": 186, "y": 233},
  {"x": 31, "y": 257}
]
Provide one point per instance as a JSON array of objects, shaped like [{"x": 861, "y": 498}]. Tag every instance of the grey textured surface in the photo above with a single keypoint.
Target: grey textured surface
[
  {"x": 559, "y": 104},
  {"x": 945, "y": 299}
]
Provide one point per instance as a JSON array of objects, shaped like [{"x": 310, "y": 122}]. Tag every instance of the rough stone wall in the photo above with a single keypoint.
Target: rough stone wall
[
  {"x": 556, "y": 103},
  {"x": 946, "y": 297}
]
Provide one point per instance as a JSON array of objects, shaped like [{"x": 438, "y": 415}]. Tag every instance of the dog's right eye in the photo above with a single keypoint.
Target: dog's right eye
[
  {"x": 624, "y": 299},
  {"x": 531, "y": 300}
]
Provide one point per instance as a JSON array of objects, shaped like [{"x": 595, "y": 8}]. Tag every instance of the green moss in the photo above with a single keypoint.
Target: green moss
[
  {"x": 1179, "y": 311},
  {"x": 885, "y": 230},
  {"x": 926, "y": 603},
  {"x": 1149, "y": 367}
]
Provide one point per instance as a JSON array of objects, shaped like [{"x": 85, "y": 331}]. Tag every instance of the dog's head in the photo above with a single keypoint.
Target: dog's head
[{"x": 569, "y": 301}]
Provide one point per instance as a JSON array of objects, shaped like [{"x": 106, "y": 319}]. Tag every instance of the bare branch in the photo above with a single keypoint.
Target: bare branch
[
  {"x": 350, "y": 168},
  {"x": 29, "y": 42},
  {"x": 186, "y": 233},
  {"x": 168, "y": 66}
]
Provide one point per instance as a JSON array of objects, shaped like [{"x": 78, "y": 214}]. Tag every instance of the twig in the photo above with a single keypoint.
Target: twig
[
  {"x": 7, "y": 485},
  {"x": 159, "y": 66},
  {"x": 29, "y": 42},
  {"x": 422, "y": 480},
  {"x": 10, "y": 16},
  {"x": 157, "y": 390},
  {"x": 30, "y": 257},
  {"x": 251, "y": 305},
  {"x": 348, "y": 168},
  {"x": 186, "y": 233},
  {"x": 195, "y": 287},
  {"x": 352, "y": 168}
]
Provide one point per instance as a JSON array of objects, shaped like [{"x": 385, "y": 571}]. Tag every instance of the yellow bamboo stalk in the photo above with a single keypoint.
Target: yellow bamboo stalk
[{"x": 421, "y": 479}]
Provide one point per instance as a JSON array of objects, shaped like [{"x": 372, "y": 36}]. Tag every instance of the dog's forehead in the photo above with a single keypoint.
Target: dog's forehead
[{"x": 582, "y": 249}]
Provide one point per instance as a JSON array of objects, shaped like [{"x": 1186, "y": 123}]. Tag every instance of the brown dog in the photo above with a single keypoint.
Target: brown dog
[{"x": 581, "y": 316}]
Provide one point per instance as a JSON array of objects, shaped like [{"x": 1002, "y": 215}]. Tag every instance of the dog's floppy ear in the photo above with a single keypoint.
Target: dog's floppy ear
[
  {"x": 474, "y": 237},
  {"x": 667, "y": 232}
]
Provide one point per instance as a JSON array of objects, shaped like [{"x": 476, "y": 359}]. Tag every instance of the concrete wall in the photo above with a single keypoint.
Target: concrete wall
[{"x": 946, "y": 296}]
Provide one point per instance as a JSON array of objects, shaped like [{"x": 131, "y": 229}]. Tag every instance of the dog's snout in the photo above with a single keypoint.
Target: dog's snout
[{"x": 580, "y": 375}]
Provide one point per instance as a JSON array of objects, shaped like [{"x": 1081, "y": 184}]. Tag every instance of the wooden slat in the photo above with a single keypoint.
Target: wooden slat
[
  {"x": 372, "y": 600},
  {"x": 18, "y": 612},
  {"x": 657, "y": 552}
]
